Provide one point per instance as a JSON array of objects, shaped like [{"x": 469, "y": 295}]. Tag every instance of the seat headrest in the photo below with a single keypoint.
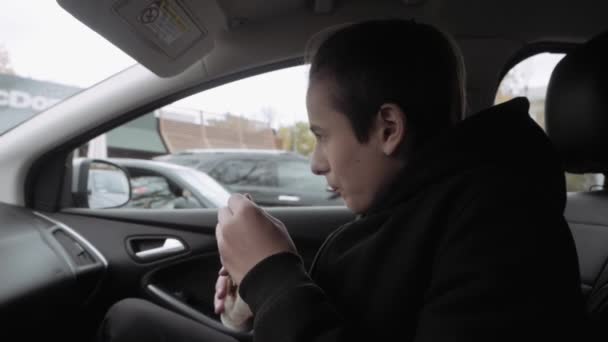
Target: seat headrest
[{"x": 576, "y": 111}]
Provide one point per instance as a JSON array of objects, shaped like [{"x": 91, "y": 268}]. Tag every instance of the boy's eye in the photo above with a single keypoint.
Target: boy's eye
[{"x": 317, "y": 133}]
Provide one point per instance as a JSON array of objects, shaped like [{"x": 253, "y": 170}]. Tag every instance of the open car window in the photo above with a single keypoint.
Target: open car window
[{"x": 248, "y": 136}]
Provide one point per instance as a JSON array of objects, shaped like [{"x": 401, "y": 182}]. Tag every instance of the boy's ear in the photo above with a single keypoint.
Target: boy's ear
[{"x": 391, "y": 127}]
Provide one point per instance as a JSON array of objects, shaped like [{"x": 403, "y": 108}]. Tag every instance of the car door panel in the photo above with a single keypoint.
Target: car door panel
[
  {"x": 308, "y": 226},
  {"x": 183, "y": 282}
]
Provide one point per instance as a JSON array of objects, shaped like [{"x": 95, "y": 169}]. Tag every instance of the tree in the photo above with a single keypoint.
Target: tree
[
  {"x": 285, "y": 135},
  {"x": 297, "y": 138},
  {"x": 5, "y": 62}
]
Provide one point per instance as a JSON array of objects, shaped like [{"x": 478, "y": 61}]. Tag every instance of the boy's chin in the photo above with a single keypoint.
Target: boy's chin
[{"x": 355, "y": 206}]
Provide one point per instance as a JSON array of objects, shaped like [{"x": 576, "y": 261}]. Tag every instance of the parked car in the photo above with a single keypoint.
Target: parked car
[
  {"x": 272, "y": 177},
  {"x": 160, "y": 185}
]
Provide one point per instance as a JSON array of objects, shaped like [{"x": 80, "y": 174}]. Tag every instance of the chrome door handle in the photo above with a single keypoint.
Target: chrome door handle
[
  {"x": 288, "y": 198},
  {"x": 169, "y": 247}
]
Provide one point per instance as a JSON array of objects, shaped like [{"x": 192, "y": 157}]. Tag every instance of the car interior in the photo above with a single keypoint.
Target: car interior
[{"x": 62, "y": 266}]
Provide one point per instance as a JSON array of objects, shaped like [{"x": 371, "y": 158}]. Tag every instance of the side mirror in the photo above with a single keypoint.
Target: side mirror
[{"x": 100, "y": 184}]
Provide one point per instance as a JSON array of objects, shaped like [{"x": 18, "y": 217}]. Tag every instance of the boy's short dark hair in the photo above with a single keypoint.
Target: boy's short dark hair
[{"x": 412, "y": 65}]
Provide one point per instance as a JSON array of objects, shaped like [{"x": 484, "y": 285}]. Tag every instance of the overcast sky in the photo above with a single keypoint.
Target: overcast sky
[
  {"x": 537, "y": 69},
  {"x": 44, "y": 42}
]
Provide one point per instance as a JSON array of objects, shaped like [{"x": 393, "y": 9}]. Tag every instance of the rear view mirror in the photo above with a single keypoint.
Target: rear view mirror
[{"x": 100, "y": 184}]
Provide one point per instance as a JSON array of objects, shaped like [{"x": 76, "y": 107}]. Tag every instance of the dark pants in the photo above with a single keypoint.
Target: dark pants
[{"x": 136, "y": 320}]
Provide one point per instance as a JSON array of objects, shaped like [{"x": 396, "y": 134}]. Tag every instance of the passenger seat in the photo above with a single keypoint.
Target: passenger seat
[{"x": 577, "y": 123}]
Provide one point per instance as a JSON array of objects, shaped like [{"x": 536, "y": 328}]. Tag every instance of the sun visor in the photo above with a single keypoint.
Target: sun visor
[{"x": 165, "y": 36}]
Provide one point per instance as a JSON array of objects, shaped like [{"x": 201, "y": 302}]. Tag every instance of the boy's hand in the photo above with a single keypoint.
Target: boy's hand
[
  {"x": 246, "y": 235},
  {"x": 234, "y": 312},
  {"x": 223, "y": 288}
]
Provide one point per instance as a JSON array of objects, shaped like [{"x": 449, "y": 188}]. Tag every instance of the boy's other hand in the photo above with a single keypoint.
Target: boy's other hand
[{"x": 223, "y": 288}]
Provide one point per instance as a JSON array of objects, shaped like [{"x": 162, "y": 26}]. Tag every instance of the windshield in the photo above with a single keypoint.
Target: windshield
[{"x": 46, "y": 55}]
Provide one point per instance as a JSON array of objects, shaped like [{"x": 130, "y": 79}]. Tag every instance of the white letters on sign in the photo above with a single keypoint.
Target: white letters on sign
[{"x": 18, "y": 99}]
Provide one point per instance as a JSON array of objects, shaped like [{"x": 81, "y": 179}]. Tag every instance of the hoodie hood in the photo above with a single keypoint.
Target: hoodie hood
[{"x": 503, "y": 137}]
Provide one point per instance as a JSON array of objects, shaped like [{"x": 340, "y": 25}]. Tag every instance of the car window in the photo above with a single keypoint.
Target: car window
[
  {"x": 35, "y": 70},
  {"x": 293, "y": 174},
  {"x": 530, "y": 78},
  {"x": 232, "y": 172},
  {"x": 250, "y": 135},
  {"x": 262, "y": 174},
  {"x": 245, "y": 172}
]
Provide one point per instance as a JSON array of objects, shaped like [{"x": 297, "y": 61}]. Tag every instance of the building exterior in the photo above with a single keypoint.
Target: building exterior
[{"x": 163, "y": 131}]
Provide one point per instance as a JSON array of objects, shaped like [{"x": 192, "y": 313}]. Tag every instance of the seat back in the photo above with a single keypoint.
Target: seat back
[{"x": 577, "y": 123}]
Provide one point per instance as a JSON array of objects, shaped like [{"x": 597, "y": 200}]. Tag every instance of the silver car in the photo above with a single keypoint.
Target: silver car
[{"x": 161, "y": 185}]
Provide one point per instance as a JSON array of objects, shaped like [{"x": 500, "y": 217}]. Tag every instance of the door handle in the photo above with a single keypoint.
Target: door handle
[
  {"x": 170, "y": 246},
  {"x": 288, "y": 198}
]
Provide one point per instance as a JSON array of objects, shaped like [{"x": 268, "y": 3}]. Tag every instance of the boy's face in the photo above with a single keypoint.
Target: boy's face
[{"x": 357, "y": 171}]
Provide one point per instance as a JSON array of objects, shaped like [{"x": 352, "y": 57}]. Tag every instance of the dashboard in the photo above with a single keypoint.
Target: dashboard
[{"x": 46, "y": 267}]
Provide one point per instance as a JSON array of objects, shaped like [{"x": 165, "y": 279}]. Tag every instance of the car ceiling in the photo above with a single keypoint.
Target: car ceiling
[
  {"x": 523, "y": 19},
  {"x": 238, "y": 12},
  {"x": 279, "y": 29},
  {"x": 259, "y": 33}
]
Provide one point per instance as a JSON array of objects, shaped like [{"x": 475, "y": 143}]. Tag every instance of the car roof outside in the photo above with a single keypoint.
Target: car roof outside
[
  {"x": 209, "y": 158},
  {"x": 149, "y": 164},
  {"x": 229, "y": 153}
]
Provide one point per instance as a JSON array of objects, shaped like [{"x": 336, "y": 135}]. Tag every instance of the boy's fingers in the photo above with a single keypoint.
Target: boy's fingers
[
  {"x": 220, "y": 294},
  {"x": 223, "y": 214},
  {"x": 274, "y": 220},
  {"x": 218, "y": 305},
  {"x": 236, "y": 202},
  {"x": 220, "y": 287}
]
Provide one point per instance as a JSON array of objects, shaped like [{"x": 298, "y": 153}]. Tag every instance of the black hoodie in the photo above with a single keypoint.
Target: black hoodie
[{"x": 470, "y": 244}]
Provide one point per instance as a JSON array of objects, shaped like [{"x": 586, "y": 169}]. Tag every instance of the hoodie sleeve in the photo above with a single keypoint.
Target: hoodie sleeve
[{"x": 288, "y": 306}]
